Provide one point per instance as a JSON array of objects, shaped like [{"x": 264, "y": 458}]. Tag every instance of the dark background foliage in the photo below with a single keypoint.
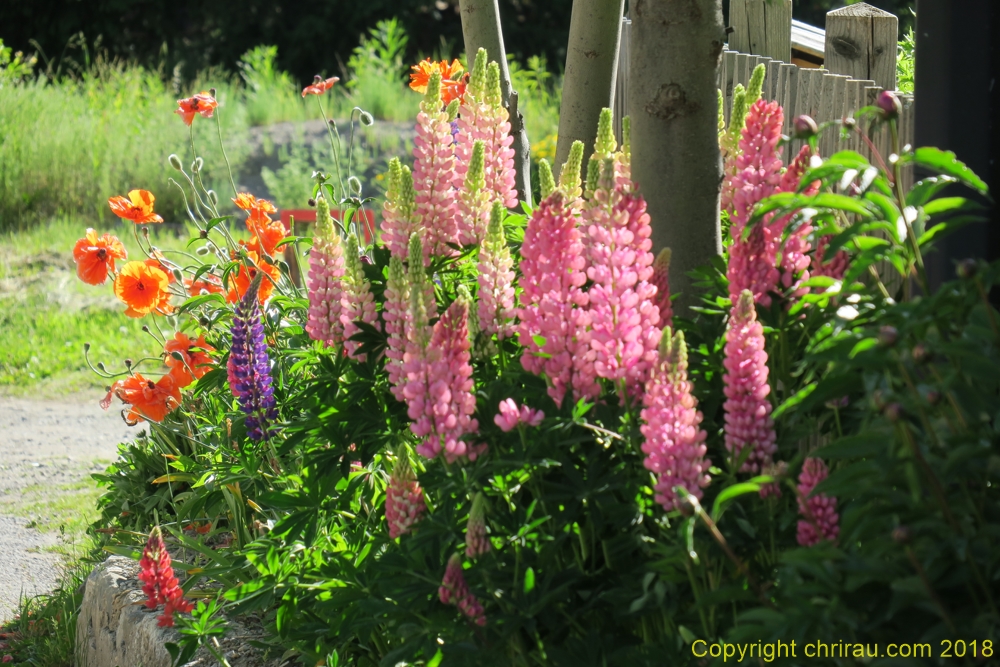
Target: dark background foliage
[{"x": 313, "y": 36}]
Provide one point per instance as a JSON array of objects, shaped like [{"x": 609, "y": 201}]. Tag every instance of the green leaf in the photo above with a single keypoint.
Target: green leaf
[
  {"x": 732, "y": 492},
  {"x": 529, "y": 580},
  {"x": 945, "y": 162},
  {"x": 925, "y": 190},
  {"x": 854, "y": 446},
  {"x": 436, "y": 660}
]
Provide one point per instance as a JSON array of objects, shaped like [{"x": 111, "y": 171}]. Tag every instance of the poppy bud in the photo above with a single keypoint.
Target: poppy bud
[
  {"x": 311, "y": 202},
  {"x": 901, "y": 535},
  {"x": 175, "y": 162},
  {"x": 920, "y": 353},
  {"x": 128, "y": 363},
  {"x": 202, "y": 251},
  {"x": 849, "y": 123},
  {"x": 100, "y": 365},
  {"x": 178, "y": 276},
  {"x": 212, "y": 197},
  {"x": 203, "y": 321},
  {"x": 197, "y": 164},
  {"x": 967, "y": 268},
  {"x": 355, "y": 184},
  {"x": 889, "y": 104},
  {"x": 211, "y": 91},
  {"x": 86, "y": 347},
  {"x": 145, "y": 328},
  {"x": 203, "y": 234},
  {"x": 933, "y": 396},
  {"x": 367, "y": 119},
  {"x": 893, "y": 412},
  {"x": 887, "y": 336},
  {"x": 177, "y": 355},
  {"x": 805, "y": 127}
]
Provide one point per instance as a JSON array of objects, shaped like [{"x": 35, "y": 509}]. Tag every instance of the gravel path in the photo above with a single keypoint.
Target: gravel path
[{"x": 48, "y": 443}]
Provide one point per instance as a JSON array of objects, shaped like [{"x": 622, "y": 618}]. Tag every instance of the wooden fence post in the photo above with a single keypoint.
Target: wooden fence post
[
  {"x": 762, "y": 28},
  {"x": 861, "y": 43}
]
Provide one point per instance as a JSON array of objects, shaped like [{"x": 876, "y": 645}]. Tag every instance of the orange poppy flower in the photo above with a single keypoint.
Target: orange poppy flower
[
  {"x": 158, "y": 261},
  {"x": 202, "y": 103},
  {"x": 239, "y": 282},
  {"x": 268, "y": 232},
  {"x": 138, "y": 207},
  {"x": 247, "y": 202},
  {"x": 422, "y": 71},
  {"x": 196, "y": 361},
  {"x": 146, "y": 399},
  {"x": 143, "y": 289},
  {"x": 454, "y": 90},
  {"x": 204, "y": 285},
  {"x": 319, "y": 86},
  {"x": 96, "y": 256}
]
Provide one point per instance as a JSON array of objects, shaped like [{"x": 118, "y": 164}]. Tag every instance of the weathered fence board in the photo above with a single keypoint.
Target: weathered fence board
[
  {"x": 762, "y": 27},
  {"x": 861, "y": 42}
]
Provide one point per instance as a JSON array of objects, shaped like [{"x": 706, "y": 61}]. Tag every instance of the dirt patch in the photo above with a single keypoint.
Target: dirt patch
[{"x": 48, "y": 449}]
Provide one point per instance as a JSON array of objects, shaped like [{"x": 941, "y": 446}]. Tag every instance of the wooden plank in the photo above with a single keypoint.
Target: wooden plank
[
  {"x": 877, "y": 132},
  {"x": 778, "y": 28},
  {"x": 772, "y": 84},
  {"x": 855, "y": 93},
  {"x": 742, "y": 73},
  {"x": 796, "y": 81},
  {"x": 826, "y": 114},
  {"x": 789, "y": 81},
  {"x": 729, "y": 57},
  {"x": 739, "y": 38},
  {"x": 839, "y": 110},
  {"x": 861, "y": 43}
]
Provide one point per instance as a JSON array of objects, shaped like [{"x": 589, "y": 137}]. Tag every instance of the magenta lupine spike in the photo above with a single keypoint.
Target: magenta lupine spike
[
  {"x": 439, "y": 388},
  {"x": 674, "y": 442},
  {"x": 395, "y": 312},
  {"x": 624, "y": 319},
  {"x": 747, "y": 410},
  {"x": 476, "y": 542},
  {"x": 661, "y": 281},
  {"x": 752, "y": 261},
  {"x": 399, "y": 210},
  {"x": 404, "y": 499},
  {"x": 820, "y": 520},
  {"x": 474, "y": 200},
  {"x": 835, "y": 268},
  {"x": 496, "y": 280},
  {"x": 357, "y": 302},
  {"x": 795, "y": 256},
  {"x": 454, "y": 590},
  {"x": 552, "y": 303},
  {"x": 434, "y": 174},
  {"x": 326, "y": 272}
]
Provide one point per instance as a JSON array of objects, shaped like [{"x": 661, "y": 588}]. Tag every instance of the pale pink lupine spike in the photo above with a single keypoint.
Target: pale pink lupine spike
[
  {"x": 510, "y": 416},
  {"x": 325, "y": 279},
  {"x": 747, "y": 409},
  {"x": 624, "y": 318},
  {"x": 753, "y": 261},
  {"x": 674, "y": 442},
  {"x": 399, "y": 210},
  {"x": 496, "y": 280},
  {"x": 434, "y": 175},
  {"x": 661, "y": 281},
  {"x": 395, "y": 313},
  {"x": 454, "y": 590},
  {"x": 357, "y": 302},
  {"x": 439, "y": 389},
  {"x": 820, "y": 520},
  {"x": 552, "y": 303},
  {"x": 476, "y": 541},
  {"x": 836, "y": 267},
  {"x": 404, "y": 499}
]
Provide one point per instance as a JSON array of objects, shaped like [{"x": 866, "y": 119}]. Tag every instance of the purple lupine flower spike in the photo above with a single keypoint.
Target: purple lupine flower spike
[{"x": 252, "y": 367}]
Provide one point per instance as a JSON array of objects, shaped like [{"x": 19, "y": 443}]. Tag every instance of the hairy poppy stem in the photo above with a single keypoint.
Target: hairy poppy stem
[{"x": 331, "y": 128}]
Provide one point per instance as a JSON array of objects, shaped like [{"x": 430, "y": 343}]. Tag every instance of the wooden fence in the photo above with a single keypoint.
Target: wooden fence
[{"x": 857, "y": 40}]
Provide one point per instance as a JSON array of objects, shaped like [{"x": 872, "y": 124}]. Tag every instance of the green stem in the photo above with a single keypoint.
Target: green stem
[
  {"x": 218, "y": 126},
  {"x": 918, "y": 257}
]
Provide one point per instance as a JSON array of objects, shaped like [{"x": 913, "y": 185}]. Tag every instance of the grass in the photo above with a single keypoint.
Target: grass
[{"x": 47, "y": 313}]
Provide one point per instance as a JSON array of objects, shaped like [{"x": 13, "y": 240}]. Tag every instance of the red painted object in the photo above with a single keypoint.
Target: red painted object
[{"x": 309, "y": 215}]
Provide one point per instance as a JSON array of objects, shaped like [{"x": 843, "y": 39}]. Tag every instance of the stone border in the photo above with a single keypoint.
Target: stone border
[{"x": 116, "y": 629}]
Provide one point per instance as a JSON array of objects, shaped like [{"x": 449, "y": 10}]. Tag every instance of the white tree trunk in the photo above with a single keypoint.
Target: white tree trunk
[
  {"x": 481, "y": 30},
  {"x": 591, "y": 66},
  {"x": 673, "y": 103}
]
